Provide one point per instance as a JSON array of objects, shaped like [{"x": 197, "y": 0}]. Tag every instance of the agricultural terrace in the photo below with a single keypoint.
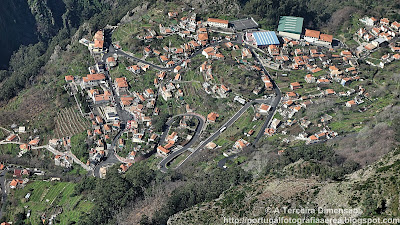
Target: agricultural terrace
[
  {"x": 48, "y": 198},
  {"x": 69, "y": 122}
]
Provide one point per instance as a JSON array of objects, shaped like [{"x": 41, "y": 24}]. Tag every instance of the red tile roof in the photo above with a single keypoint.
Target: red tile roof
[
  {"x": 312, "y": 33},
  {"x": 213, "y": 20}
]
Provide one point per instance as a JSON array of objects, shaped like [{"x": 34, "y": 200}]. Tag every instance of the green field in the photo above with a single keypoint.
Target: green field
[
  {"x": 9, "y": 149},
  {"x": 237, "y": 130},
  {"x": 179, "y": 159},
  {"x": 48, "y": 198}
]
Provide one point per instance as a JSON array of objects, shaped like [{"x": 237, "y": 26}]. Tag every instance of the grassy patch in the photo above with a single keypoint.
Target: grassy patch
[
  {"x": 9, "y": 149},
  {"x": 179, "y": 159},
  {"x": 48, "y": 198}
]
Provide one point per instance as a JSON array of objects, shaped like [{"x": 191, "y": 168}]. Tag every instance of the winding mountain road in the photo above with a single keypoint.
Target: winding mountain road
[
  {"x": 273, "y": 103},
  {"x": 176, "y": 153}
]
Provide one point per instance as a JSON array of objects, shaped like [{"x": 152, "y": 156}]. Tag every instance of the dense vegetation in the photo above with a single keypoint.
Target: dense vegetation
[
  {"x": 79, "y": 146},
  {"x": 318, "y": 160},
  {"x": 316, "y": 13},
  {"x": 116, "y": 191},
  {"x": 56, "y": 22}
]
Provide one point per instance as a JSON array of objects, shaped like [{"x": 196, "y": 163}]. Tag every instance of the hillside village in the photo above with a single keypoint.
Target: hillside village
[
  {"x": 122, "y": 110},
  {"x": 172, "y": 101}
]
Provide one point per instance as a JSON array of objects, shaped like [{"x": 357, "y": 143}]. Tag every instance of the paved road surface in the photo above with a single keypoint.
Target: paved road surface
[
  {"x": 3, "y": 191},
  {"x": 222, "y": 162},
  {"x": 173, "y": 155},
  {"x": 273, "y": 105},
  {"x": 111, "y": 158},
  {"x": 112, "y": 51},
  {"x": 216, "y": 134},
  {"x": 277, "y": 99}
]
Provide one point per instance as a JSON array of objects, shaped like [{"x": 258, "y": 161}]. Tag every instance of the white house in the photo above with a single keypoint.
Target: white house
[{"x": 212, "y": 22}]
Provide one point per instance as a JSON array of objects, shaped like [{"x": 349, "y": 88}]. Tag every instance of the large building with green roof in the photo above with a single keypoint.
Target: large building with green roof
[{"x": 290, "y": 26}]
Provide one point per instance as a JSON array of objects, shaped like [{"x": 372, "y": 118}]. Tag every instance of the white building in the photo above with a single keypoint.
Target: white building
[{"x": 212, "y": 22}]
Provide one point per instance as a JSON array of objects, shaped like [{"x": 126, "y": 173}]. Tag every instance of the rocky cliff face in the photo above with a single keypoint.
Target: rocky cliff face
[
  {"x": 17, "y": 27},
  {"x": 24, "y": 22},
  {"x": 371, "y": 191}
]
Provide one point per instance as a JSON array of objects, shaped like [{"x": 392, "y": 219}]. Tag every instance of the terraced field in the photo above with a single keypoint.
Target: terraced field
[
  {"x": 48, "y": 197},
  {"x": 69, "y": 122}
]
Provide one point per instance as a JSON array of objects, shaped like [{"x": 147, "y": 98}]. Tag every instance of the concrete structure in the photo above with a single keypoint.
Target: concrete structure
[
  {"x": 244, "y": 24},
  {"x": 290, "y": 26},
  {"x": 212, "y": 22},
  {"x": 265, "y": 38},
  {"x": 110, "y": 114},
  {"x": 314, "y": 36}
]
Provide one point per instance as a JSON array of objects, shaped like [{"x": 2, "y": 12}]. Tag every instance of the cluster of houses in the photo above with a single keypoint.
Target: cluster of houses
[
  {"x": 21, "y": 176},
  {"x": 379, "y": 33},
  {"x": 23, "y": 147},
  {"x": 308, "y": 50},
  {"x": 188, "y": 28},
  {"x": 96, "y": 45},
  {"x": 175, "y": 137},
  {"x": 105, "y": 123}
]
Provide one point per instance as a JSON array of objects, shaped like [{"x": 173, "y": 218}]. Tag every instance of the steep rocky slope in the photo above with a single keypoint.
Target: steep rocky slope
[{"x": 372, "y": 191}]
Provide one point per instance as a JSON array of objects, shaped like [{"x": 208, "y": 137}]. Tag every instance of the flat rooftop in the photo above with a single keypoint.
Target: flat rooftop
[
  {"x": 244, "y": 24},
  {"x": 291, "y": 24},
  {"x": 266, "y": 38}
]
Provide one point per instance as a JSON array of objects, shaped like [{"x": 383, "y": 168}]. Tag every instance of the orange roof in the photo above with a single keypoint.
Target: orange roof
[
  {"x": 163, "y": 58},
  {"x": 241, "y": 143},
  {"x": 23, "y": 147},
  {"x": 149, "y": 91},
  {"x": 224, "y": 87},
  {"x": 313, "y": 138},
  {"x": 291, "y": 94},
  {"x": 326, "y": 37},
  {"x": 333, "y": 68},
  {"x": 99, "y": 35},
  {"x": 34, "y": 142},
  {"x": 14, "y": 183},
  {"x": 297, "y": 108},
  {"x": 316, "y": 70},
  {"x": 323, "y": 80},
  {"x": 384, "y": 20},
  {"x": 330, "y": 91},
  {"x": 110, "y": 59},
  {"x": 161, "y": 148},
  {"x": 212, "y": 116},
  {"x": 94, "y": 77},
  {"x": 98, "y": 44},
  {"x": 396, "y": 24},
  {"x": 295, "y": 84},
  {"x": 123, "y": 167},
  {"x": 202, "y": 37},
  {"x": 107, "y": 127},
  {"x": 69, "y": 78},
  {"x": 209, "y": 49},
  {"x": 312, "y": 33},
  {"x": 264, "y": 107},
  {"x": 351, "y": 102},
  {"x": 213, "y": 20},
  {"x": 121, "y": 82},
  {"x": 169, "y": 145}
]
